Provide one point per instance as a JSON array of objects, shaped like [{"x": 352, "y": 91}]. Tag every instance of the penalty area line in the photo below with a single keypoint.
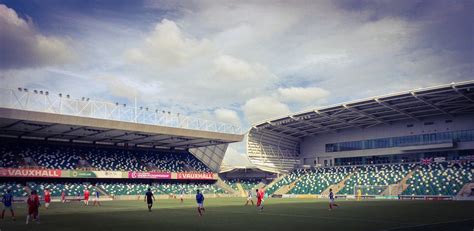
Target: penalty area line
[
  {"x": 428, "y": 224},
  {"x": 326, "y": 218}
]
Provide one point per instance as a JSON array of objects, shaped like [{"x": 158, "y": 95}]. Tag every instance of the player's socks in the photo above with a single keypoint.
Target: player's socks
[
  {"x": 3, "y": 213},
  {"x": 199, "y": 211},
  {"x": 27, "y": 218}
]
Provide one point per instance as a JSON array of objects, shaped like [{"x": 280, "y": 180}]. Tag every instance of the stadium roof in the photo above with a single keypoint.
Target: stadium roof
[
  {"x": 21, "y": 123},
  {"x": 450, "y": 99}
]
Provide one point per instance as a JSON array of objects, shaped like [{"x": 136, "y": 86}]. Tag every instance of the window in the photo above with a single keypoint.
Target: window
[
  {"x": 448, "y": 121},
  {"x": 401, "y": 141},
  {"x": 428, "y": 123},
  {"x": 409, "y": 125}
]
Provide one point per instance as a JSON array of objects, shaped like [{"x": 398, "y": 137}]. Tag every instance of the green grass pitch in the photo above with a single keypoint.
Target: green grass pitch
[{"x": 229, "y": 214}]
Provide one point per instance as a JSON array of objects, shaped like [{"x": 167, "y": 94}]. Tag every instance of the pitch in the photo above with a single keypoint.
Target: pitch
[{"x": 230, "y": 214}]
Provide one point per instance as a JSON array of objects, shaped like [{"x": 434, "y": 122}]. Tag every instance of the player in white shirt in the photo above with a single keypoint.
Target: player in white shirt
[{"x": 249, "y": 197}]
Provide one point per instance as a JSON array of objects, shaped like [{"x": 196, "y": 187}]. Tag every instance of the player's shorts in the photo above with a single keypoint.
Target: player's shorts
[
  {"x": 331, "y": 201},
  {"x": 86, "y": 198},
  {"x": 200, "y": 205},
  {"x": 150, "y": 202},
  {"x": 249, "y": 198},
  {"x": 32, "y": 210},
  {"x": 47, "y": 200},
  {"x": 181, "y": 196},
  {"x": 259, "y": 202},
  {"x": 6, "y": 207}
]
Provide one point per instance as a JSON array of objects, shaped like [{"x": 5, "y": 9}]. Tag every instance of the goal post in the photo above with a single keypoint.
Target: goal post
[{"x": 372, "y": 190}]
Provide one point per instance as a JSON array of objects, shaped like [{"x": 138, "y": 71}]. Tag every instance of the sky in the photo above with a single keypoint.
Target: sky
[{"x": 239, "y": 62}]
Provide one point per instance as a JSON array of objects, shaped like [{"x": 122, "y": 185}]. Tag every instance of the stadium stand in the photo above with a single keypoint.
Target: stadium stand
[
  {"x": 69, "y": 188},
  {"x": 246, "y": 184},
  {"x": 17, "y": 189},
  {"x": 61, "y": 156},
  {"x": 375, "y": 175},
  {"x": 288, "y": 179},
  {"x": 440, "y": 178},
  {"x": 445, "y": 178},
  {"x": 317, "y": 180}
]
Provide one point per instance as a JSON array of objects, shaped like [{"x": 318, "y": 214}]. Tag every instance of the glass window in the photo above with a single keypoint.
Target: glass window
[{"x": 401, "y": 141}]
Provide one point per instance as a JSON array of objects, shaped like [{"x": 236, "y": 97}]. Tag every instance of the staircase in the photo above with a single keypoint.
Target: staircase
[
  {"x": 27, "y": 188},
  {"x": 29, "y": 162},
  {"x": 337, "y": 187},
  {"x": 259, "y": 185},
  {"x": 466, "y": 190},
  {"x": 241, "y": 190},
  {"x": 83, "y": 163},
  {"x": 275, "y": 181},
  {"x": 102, "y": 191},
  {"x": 397, "y": 189},
  {"x": 286, "y": 188},
  {"x": 225, "y": 186}
]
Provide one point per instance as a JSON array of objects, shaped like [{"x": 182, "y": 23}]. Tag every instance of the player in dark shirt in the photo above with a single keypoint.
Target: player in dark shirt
[
  {"x": 200, "y": 202},
  {"x": 149, "y": 198},
  {"x": 331, "y": 200},
  {"x": 7, "y": 200}
]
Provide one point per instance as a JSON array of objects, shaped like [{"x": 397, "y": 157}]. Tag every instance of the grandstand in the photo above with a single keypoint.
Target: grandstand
[
  {"x": 52, "y": 141},
  {"x": 411, "y": 145},
  {"x": 418, "y": 143}
]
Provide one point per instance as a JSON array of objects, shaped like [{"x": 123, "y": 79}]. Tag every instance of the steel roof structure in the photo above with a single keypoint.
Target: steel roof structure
[
  {"x": 280, "y": 137},
  {"x": 27, "y": 114}
]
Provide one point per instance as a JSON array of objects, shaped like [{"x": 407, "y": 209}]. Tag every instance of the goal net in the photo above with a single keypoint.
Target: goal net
[{"x": 372, "y": 190}]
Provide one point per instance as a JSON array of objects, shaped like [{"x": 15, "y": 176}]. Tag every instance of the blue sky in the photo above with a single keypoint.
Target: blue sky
[{"x": 234, "y": 61}]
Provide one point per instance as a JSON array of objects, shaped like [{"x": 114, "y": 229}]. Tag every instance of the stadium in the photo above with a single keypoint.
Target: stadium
[
  {"x": 236, "y": 115},
  {"x": 413, "y": 146}
]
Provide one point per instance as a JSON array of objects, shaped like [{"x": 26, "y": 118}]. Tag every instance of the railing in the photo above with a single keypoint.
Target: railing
[{"x": 63, "y": 104}]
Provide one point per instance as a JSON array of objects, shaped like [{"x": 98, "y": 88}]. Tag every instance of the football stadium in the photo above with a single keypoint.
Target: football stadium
[
  {"x": 209, "y": 115},
  {"x": 383, "y": 158}
]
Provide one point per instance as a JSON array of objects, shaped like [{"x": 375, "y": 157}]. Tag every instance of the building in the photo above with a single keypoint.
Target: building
[{"x": 427, "y": 123}]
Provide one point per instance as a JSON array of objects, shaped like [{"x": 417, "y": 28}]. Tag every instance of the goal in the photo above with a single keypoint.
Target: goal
[{"x": 372, "y": 190}]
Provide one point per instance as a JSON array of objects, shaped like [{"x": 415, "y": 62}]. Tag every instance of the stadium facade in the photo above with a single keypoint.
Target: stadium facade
[
  {"x": 44, "y": 116},
  {"x": 427, "y": 123}
]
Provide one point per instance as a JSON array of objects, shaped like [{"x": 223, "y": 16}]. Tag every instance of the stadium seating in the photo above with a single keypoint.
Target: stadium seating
[
  {"x": 175, "y": 188},
  {"x": 431, "y": 179},
  {"x": 65, "y": 156},
  {"x": 440, "y": 178},
  {"x": 246, "y": 184},
  {"x": 131, "y": 188},
  {"x": 319, "y": 179},
  {"x": 375, "y": 175},
  {"x": 70, "y": 189},
  {"x": 288, "y": 179},
  {"x": 232, "y": 183},
  {"x": 116, "y": 189},
  {"x": 8, "y": 158},
  {"x": 17, "y": 189}
]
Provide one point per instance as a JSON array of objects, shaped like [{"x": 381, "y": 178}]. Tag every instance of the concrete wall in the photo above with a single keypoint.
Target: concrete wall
[{"x": 314, "y": 147}]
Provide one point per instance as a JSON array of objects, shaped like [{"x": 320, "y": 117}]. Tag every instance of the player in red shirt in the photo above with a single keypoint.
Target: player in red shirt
[
  {"x": 259, "y": 199},
  {"x": 33, "y": 206},
  {"x": 47, "y": 198},
  {"x": 63, "y": 196},
  {"x": 86, "y": 197}
]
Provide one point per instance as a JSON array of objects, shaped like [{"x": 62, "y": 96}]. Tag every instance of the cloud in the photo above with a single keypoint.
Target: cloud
[
  {"x": 302, "y": 95},
  {"x": 167, "y": 46},
  {"x": 227, "y": 116},
  {"x": 262, "y": 108},
  {"x": 179, "y": 62},
  {"x": 21, "y": 46},
  {"x": 202, "y": 56}
]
